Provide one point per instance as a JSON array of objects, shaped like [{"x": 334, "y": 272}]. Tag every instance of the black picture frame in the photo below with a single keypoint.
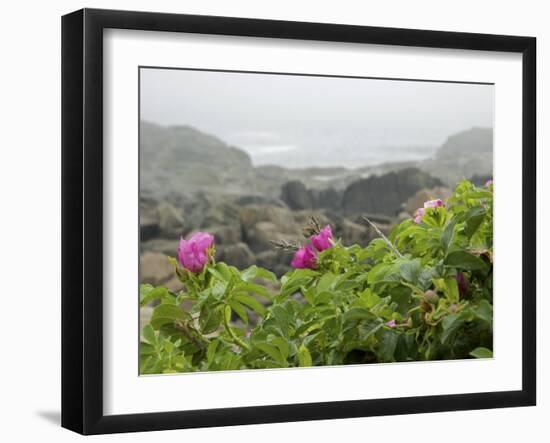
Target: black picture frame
[{"x": 82, "y": 219}]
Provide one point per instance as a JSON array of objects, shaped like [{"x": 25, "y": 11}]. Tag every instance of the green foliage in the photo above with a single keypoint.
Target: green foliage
[{"x": 431, "y": 301}]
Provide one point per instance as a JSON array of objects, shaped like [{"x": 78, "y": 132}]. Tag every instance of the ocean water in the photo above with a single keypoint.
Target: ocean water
[{"x": 322, "y": 150}]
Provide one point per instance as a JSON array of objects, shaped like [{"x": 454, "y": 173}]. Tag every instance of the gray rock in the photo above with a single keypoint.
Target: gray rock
[
  {"x": 238, "y": 255},
  {"x": 171, "y": 223},
  {"x": 296, "y": 196},
  {"x": 155, "y": 268},
  {"x": 386, "y": 193}
]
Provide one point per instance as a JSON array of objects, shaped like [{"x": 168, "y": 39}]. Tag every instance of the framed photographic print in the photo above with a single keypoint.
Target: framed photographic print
[{"x": 269, "y": 221}]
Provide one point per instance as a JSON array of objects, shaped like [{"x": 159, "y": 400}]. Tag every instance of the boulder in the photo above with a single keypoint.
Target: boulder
[
  {"x": 260, "y": 235},
  {"x": 296, "y": 195},
  {"x": 225, "y": 234},
  {"x": 148, "y": 219},
  {"x": 165, "y": 246},
  {"x": 238, "y": 255},
  {"x": 171, "y": 222},
  {"x": 155, "y": 268},
  {"x": 386, "y": 193},
  {"x": 276, "y": 260}
]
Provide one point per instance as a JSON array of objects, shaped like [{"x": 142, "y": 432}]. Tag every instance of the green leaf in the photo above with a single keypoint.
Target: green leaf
[
  {"x": 282, "y": 344},
  {"x": 474, "y": 218},
  {"x": 272, "y": 351},
  {"x": 383, "y": 272},
  {"x": 240, "y": 310},
  {"x": 358, "y": 314},
  {"x": 211, "y": 352},
  {"x": 465, "y": 260},
  {"x": 251, "y": 302},
  {"x": 304, "y": 357},
  {"x": 254, "y": 271},
  {"x": 282, "y": 318},
  {"x": 448, "y": 235},
  {"x": 387, "y": 344},
  {"x": 325, "y": 282},
  {"x": 148, "y": 293},
  {"x": 451, "y": 323},
  {"x": 482, "y": 352},
  {"x": 410, "y": 270},
  {"x": 451, "y": 290},
  {"x": 370, "y": 298},
  {"x": 167, "y": 313},
  {"x": 210, "y": 319},
  {"x": 367, "y": 328},
  {"x": 484, "y": 311},
  {"x": 149, "y": 335}
]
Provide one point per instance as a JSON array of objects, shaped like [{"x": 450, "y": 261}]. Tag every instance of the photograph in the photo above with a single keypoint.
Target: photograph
[{"x": 291, "y": 220}]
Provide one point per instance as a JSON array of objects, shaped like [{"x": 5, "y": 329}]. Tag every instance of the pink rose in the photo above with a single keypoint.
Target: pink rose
[
  {"x": 323, "y": 240},
  {"x": 193, "y": 253},
  {"x": 489, "y": 183},
  {"x": 434, "y": 203},
  {"x": 304, "y": 257},
  {"x": 391, "y": 323},
  {"x": 418, "y": 215}
]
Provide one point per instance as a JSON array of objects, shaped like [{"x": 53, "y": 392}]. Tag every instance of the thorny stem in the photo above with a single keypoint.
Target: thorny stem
[
  {"x": 235, "y": 339},
  {"x": 380, "y": 233},
  {"x": 182, "y": 327}
]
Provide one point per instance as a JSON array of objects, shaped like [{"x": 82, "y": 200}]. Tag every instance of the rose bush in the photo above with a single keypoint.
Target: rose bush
[{"x": 424, "y": 293}]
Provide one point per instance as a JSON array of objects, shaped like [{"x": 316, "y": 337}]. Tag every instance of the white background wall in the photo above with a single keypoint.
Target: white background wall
[{"x": 30, "y": 217}]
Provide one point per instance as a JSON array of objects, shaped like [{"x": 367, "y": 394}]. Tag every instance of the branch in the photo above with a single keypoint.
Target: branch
[{"x": 381, "y": 234}]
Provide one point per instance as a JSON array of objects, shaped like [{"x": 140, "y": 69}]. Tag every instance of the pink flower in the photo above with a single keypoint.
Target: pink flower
[
  {"x": 193, "y": 253},
  {"x": 323, "y": 240},
  {"x": 434, "y": 203},
  {"x": 489, "y": 183},
  {"x": 391, "y": 323},
  {"x": 304, "y": 258},
  {"x": 418, "y": 215}
]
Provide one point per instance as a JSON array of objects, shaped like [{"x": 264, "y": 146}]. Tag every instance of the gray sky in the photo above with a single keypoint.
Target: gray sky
[{"x": 274, "y": 117}]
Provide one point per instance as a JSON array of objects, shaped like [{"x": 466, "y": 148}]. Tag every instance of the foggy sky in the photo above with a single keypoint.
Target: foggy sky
[{"x": 257, "y": 111}]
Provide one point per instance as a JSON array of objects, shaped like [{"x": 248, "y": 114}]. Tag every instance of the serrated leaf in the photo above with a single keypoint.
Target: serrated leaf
[
  {"x": 240, "y": 310},
  {"x": 210, "y": 319},
  {"x": 251, "y": 302},
  {"x": 167, "y": 313},
  {"x": 149, "y": 335},
  {"x": 272, "y": 351},
  {"x": 387, "y": 344},
  {"x": 484, "y": 311},
  {"x": 465, "y": 260},
  {"x": 451, "y": 323},
  {"x": 474, "y": 218}
]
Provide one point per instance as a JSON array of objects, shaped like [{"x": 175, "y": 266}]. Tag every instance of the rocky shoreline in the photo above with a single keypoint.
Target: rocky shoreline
[{"x": 191, "y": 181}]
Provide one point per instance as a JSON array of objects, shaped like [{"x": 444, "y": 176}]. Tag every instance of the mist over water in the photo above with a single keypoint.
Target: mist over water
[{"x": 297, "y": 121}]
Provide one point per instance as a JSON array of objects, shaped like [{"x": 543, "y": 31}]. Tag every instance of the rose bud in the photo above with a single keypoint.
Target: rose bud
[{"x": 193, "y": 254}]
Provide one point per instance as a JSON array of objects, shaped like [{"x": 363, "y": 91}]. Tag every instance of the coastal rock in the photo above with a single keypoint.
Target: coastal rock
[
  {"x": 386, "y": 193},
  {"x": 171, "y": 222},
  {"x": 295, "y": 194},
  {"x": 238, "y": 255},
  {"x": 155, "y": 268}
]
